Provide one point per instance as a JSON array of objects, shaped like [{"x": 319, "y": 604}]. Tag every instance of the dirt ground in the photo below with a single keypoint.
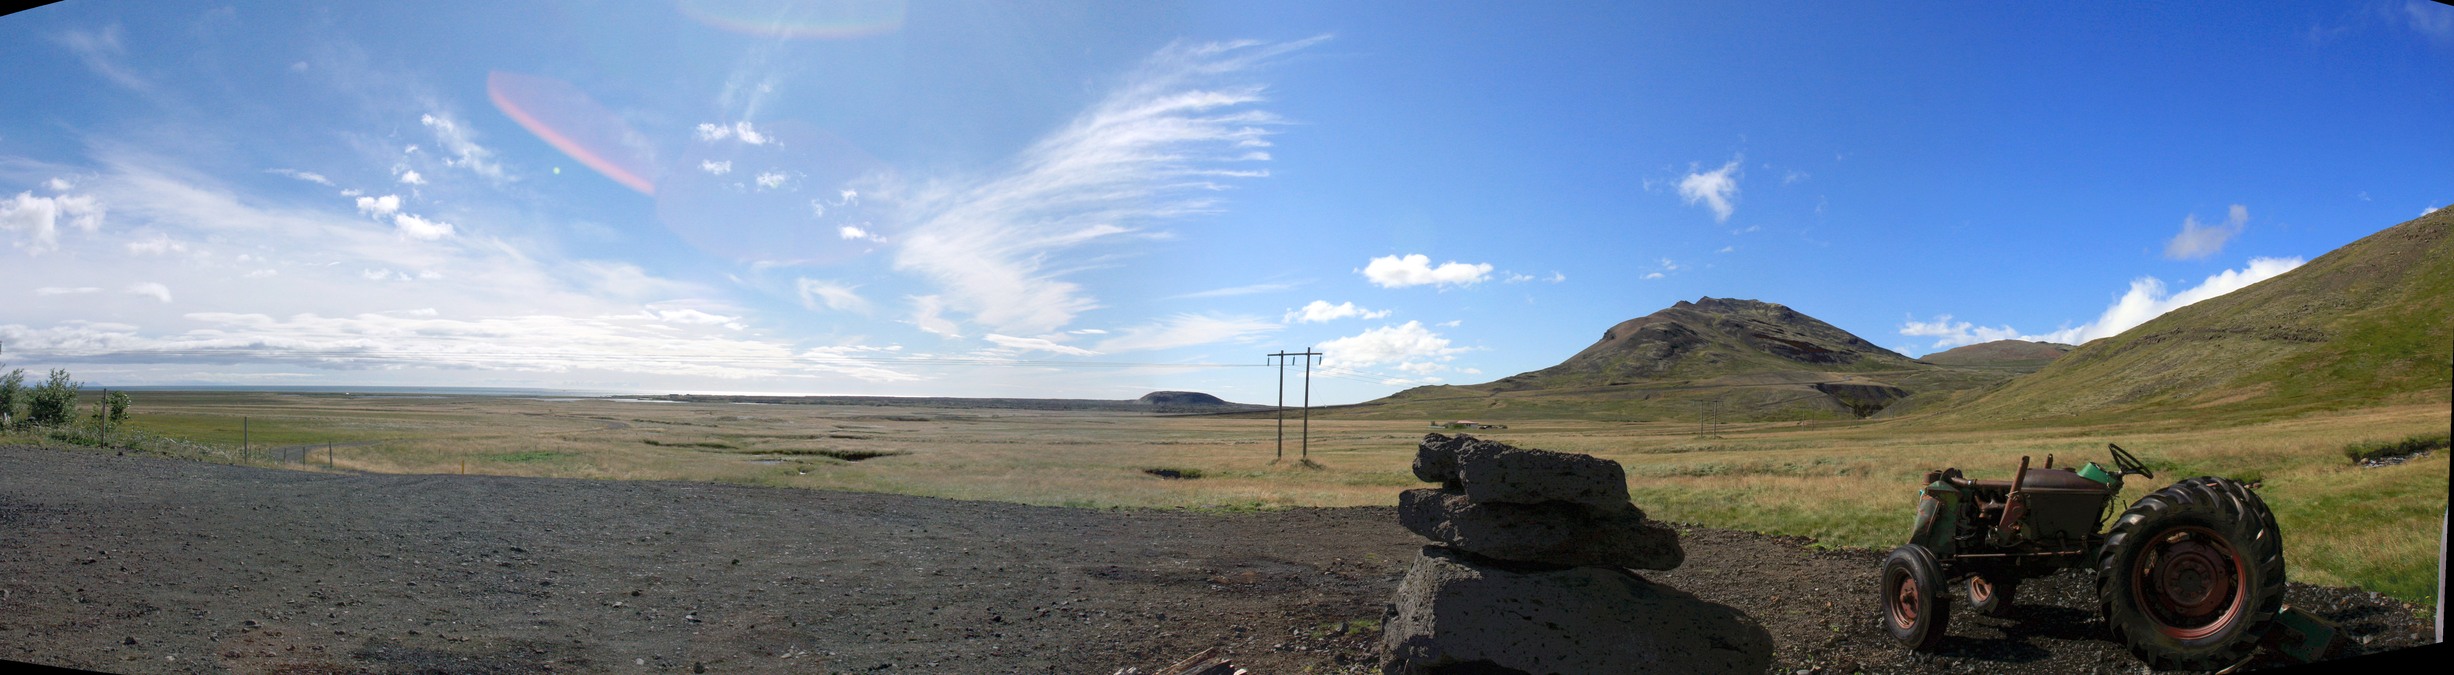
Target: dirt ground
[{"x": 130, "y": 564}]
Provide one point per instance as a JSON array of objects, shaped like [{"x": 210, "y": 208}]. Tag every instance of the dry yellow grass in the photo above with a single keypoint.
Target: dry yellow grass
[{"x": 1844, "y": 484}]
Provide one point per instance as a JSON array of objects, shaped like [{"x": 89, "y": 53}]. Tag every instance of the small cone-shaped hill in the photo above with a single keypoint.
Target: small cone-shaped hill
[
  {"x": 1712, "y": 359},
  {"x": 2369, "y": 323}
]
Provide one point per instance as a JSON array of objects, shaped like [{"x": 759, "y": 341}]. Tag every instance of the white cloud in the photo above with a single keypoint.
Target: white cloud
[
  {"x": 421, "y": 229},
  {"x": 1037, "y": 344},
  {"x": 412, "y": 178},
  {"x": 1232, "y": 291},
  {"x": 1557, "y": 278},
  {"x": 1407, "y": 346},
  {"x": 772, "y": 179},
  {"x": 856, "y": 233},
  {"x": 1727, "y": 249},
  {"x": 101, "y": 51},
  {"x": 149, "y": 289},
  {"x": 684, "y": 316},
  {"x": 58, "y": 290},
  {"x": 1653, "y": 275},
  {"x": 1516, "y": 278},
  {"x": 928, "y": 314},
  {"x": 1186, "y": 330},
  {"x": 741, "y": 130},
  {"x": 466, "y": 153},
  {"x": 307, "y": 176},
  {"x": 1718, "y": 189},
  {"x": 2429, "y": 210},
  {"x": 156, "y": 244},
  {"x": 1794, "y": 177},
  {"x": 1320, "y": 311},
  {"x": 716, "y": 167},
  {"x": 835, "y": 296},
  {"x": 1416, "y": 270},
  {"x": 1451, "y": 323},
  {"x": 2146, "y": 300},
  {"x": 58, "y": 185},
  {"x": 1087, "y": 331},
  {"x": 379, "y": 206},
  {"x": 38, "y": 218},
  {"x": 1950, "y": 334},
  {"x": 1152, "y": 150},
  {"x": 2199, "y": 240}
]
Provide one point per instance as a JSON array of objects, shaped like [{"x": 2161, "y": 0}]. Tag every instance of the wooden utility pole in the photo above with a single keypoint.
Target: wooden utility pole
[{"x": 1282, "y": 402}]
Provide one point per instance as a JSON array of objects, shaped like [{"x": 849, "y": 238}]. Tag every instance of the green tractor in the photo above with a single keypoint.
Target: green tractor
[{"x": 2191, "y": 577}]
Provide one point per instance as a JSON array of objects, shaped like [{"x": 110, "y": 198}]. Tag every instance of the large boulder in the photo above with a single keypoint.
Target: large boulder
[
  {"x": 1454, "y": 613},
  {"x": 1435, "y": 459},
  {"x": 1563, "y": 533},
  {"x": 1497, "y": 472}
]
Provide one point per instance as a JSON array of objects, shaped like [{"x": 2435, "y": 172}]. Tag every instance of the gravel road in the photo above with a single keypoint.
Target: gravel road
[{"x": 133, "y": 564}]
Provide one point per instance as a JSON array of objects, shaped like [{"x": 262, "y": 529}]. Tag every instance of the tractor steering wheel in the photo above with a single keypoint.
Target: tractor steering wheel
[{"x": 2128, "y": 464}]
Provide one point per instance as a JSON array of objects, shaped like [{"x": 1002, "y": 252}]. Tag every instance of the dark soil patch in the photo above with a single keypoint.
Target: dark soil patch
[{"x": 1174, "y": 474}]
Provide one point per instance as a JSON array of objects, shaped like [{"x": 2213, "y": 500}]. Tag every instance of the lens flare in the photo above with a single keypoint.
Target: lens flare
[
  {"x": 566, "y": 118},
  {"x": 821, "y": 19}
]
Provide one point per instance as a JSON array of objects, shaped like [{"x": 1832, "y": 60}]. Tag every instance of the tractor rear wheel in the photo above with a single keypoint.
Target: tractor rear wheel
[
  {"x": 2191, "y": 576},
  {"x": 1991, "y": 596},
  {"x": 1916, "y": 608}
]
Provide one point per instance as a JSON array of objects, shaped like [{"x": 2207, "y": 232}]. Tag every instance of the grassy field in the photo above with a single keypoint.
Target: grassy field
[{"x": 1842, "y": 483}]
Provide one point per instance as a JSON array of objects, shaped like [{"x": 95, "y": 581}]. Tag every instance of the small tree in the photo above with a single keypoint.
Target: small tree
[
  {"x": 53, "y": 403},
  {"x": 118, "y": 400},
  {"x": 12, "y": 388}
]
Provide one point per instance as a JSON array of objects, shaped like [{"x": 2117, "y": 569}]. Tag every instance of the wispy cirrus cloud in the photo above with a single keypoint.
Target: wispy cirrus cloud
[
  {"x": 1156, "y": 148},
  {"x": 1187, "y": 330},
  {"x": 835, "y": 296}
]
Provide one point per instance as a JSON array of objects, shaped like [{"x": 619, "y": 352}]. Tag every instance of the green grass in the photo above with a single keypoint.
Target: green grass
[{"x": 2410, "y": 445}]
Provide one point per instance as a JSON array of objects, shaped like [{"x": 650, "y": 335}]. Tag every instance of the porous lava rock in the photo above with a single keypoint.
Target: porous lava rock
[
  {"x": 1532, "y": 574},
  {"x": 1454, "y": 613},
  {"x": 1564, "y": 533}
]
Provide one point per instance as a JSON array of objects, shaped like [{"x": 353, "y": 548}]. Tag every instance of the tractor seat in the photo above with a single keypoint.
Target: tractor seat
[{"x": 2045, "y": 480}]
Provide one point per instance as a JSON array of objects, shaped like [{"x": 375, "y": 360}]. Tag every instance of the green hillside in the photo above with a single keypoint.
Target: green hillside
[
  {"x": 1717, "y": 358},
  {"x": 2366, "y": 324}
]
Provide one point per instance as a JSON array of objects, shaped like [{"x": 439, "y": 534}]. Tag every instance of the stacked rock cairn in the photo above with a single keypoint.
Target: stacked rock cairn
[{"x": 1532, "y": 574}]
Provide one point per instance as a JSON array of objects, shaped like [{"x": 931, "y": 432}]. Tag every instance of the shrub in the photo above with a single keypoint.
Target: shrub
[
  {"x": 2368, "y": 450},
  {"x": 12, "y": 388},
  {"x": 54, "y": 402},
  {"x": 118, "y": 401}
]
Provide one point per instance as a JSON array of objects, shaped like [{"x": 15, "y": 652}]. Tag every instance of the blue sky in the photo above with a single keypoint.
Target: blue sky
[{"x": 1098, "y": 200}]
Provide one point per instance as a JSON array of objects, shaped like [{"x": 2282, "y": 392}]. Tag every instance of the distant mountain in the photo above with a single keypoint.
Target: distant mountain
[
  {"x": 1181, "y": 399},
  {"x": 2369, "y": 323},
  {"x": 2001, "y": 353},
  {"x": 1715, "y": 358}
]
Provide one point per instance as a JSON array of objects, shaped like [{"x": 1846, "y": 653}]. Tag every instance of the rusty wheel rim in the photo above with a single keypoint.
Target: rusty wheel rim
[
  {"x": 1904, "y": 603},
  {"x": 1979, "y": 590},
  {"x": 2191, "y": 583}
]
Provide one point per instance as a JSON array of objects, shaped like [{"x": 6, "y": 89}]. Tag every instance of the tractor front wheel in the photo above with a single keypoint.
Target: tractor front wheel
[
  {"x": 1990, "y": 595},
  {"x": 1916, "y": 608},
  {"x": 2192, "y": 574}
]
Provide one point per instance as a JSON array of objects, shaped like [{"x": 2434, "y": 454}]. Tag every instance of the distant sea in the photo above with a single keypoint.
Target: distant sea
[{"x": 380, "y": 391}]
